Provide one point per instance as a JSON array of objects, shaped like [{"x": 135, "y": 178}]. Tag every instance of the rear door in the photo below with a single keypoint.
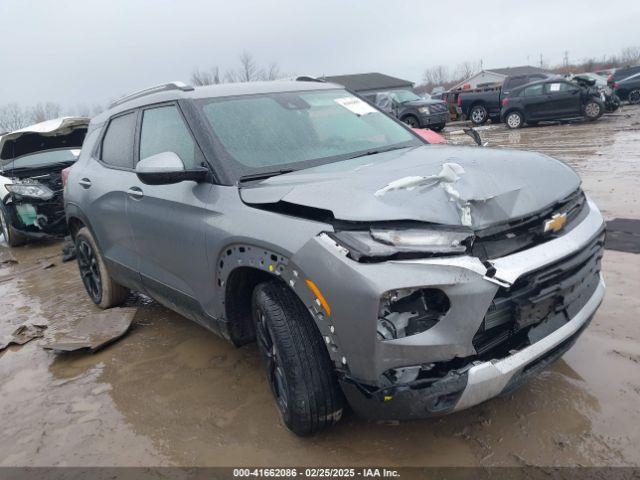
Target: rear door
[
  {"x": 534, "y": 101},
  {"x": 169, "y": 222},
  {"x": 564, "y": 99},
  {"x": 103, "y": 194}
]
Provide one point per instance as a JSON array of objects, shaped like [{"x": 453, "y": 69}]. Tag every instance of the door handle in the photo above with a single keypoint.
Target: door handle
[
  {"x": 85, "y": 182},
  {"x": 135, "y": 192}
]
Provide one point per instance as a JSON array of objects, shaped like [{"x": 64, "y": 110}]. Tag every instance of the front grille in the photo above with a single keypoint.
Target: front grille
[
  {"x": 52, "y": 220},
  {"x": 540, "y": 301},
  {"x": 527, "y": 232},
  {"x": 437, "y": 108}
]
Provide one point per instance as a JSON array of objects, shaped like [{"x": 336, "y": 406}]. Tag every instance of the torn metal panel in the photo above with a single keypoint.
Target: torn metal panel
[
  {"x": 23, "y": 334},
  {"x": 93, "y": 332}
]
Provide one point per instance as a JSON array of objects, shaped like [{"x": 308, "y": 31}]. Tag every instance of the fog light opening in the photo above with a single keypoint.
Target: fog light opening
[{"x": 406, "y": 312}]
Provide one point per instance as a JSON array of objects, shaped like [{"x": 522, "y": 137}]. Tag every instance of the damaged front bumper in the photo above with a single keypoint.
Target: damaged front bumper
[
  {"x": 508, "y": 318},
  {"x": 474, "y": 384}
]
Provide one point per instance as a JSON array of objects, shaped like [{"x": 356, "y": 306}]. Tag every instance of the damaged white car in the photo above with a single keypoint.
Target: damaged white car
[{"x": 32, "y": 161}]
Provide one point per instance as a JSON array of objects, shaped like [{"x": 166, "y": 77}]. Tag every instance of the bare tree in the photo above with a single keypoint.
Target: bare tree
[
  {"x": 211, "y": 77},
  {"x": 12, "y": 117},
  {"x": 249, "y": 70},
  {"x": 272, "y": 72},
  {"x": 630, "y": 56},
  {"x": 437, "y": 75},
  {"x": 44, "y": 111}
]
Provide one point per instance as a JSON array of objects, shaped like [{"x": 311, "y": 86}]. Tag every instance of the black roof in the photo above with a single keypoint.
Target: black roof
[{"x": 361, "y": 82}]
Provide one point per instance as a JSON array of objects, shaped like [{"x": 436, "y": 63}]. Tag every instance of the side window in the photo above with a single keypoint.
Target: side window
[
  {"x": 533, "y": 90},
  {"x": 117, "y": 145},
  {"x": 514, "y": 82},
  {"x": 557, "y": 87},
  {"x": 164, "y": 130}
]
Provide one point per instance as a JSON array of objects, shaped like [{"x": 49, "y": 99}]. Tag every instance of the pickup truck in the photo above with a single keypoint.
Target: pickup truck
[{"x": 481, "y": 105}]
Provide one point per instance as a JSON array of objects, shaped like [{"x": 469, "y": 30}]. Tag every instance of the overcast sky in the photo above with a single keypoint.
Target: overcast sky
[{"x": 86, "y": 51}]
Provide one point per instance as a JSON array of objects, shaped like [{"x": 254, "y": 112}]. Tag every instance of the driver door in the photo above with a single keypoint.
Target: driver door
[{"x": 169, "y": 221}]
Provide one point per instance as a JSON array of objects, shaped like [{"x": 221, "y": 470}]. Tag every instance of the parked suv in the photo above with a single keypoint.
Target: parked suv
[
  {"x": 551, "y": 100},
  {"x": 413, "y": 110},
  {"x": 411, "y": 279}
]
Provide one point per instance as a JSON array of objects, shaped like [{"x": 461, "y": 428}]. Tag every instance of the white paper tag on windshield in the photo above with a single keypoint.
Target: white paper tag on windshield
[{"x": 355, "y": 105}]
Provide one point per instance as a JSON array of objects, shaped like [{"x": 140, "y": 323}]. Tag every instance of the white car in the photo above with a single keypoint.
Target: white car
[{"x": 31, "y": 164}]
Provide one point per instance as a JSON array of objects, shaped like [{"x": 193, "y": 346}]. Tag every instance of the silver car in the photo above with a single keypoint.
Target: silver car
[{"x": 407, "y": 279}]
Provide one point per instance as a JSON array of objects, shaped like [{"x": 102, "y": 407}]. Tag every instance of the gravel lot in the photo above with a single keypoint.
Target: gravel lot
[{"x": 171, "y": 393}]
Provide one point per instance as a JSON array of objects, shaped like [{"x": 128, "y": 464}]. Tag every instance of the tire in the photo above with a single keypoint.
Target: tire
[
  {"x": 634, "y": 97},
  {"x": 411, "y": 121},
  {"x": 11, "y": 235},
  {"x": 299, "y": 371},
  {"x": 102, "y": 289},
  {"x": 478, "y": 114},
  {"x": 593, "y": 110},
  {"x": 438, "y": 127},
  {"x": 514, "y": 120}
]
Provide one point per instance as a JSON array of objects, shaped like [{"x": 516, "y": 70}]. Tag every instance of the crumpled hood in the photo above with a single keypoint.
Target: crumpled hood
[
  {"x": 449, "y": 185},
  {"x": 33, "y": 138}
]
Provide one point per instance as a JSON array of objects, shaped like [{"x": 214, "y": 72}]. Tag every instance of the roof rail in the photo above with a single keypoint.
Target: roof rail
[
  {"x": 307, "y": 78},
  {"x": 148, "y": 91}
]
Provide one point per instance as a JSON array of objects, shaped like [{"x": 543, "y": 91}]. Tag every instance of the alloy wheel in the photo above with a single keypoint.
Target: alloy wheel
[
  {"x": 275, "y": 372},
  {"x": 592, "y": 110},
  {"x": 514, "y": 120},
  {"x": 411, "y": 122},
  {"x": 89, "y": 269},
  {"x": 634, "y": 97},
  {"x": 478, "y": 115}
]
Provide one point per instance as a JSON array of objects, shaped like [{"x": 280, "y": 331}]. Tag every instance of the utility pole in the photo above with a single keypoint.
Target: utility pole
[
  {"x": 565, "y": 58},
  {"x": 541, "y": 62}
]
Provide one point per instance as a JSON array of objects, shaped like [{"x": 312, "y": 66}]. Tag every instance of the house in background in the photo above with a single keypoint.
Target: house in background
[
  {"x": 496, "y": 76},
  {"x": 373, "y": 82}
]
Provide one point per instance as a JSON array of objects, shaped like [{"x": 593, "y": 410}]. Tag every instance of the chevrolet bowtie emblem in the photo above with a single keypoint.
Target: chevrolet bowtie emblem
[{"x": 555, "y": 223}]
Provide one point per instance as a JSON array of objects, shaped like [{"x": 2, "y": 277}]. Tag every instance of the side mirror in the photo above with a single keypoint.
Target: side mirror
[{"x": 166, "y": 168}]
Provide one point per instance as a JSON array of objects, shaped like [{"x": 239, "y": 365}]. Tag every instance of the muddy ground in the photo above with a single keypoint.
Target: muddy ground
[{"x": 171, "y": 393}]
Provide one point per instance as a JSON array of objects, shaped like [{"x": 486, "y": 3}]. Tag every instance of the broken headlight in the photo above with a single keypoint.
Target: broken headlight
[
  {"x": 424, "y": 110},
  {"x": 406, "y": 312},
  {"x": 31, "y": 190},
  {"x": 379, "y": 242}
]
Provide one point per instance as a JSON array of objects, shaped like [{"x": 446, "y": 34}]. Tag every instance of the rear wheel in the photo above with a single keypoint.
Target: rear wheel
[
  {"x": 479, "y": 114},
  {"x": 592, "y": 110},
  {"x": 438, "y": 127},
  {"x": 634, "y": 97},
  {"x": 11, "y": 235},
  {"x": 299, "y": 371},
  {"x": 411, "y": 121},
  {"x": 514, "y": 120},
  {"x": 102, "y": 289}
]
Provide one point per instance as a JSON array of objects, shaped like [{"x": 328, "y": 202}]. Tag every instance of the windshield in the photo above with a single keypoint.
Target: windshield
[
  {"x": 295, "y": 130},
  {"x": 41, "y": 159},
  {"x": 402, "y": 96}
]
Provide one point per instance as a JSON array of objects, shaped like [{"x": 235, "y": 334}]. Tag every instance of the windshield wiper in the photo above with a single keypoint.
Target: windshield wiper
[
  {"x": 375, "y": 152},
  {"x": 262, "y": 175}
]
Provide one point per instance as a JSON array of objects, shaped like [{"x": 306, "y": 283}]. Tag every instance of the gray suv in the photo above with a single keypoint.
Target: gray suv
[{"x": 406, "y": 279}]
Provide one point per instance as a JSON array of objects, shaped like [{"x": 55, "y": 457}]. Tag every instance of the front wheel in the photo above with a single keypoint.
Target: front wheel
[
  {"x": 438, "y": 127},
  {"x": 634, "y": 97},
  {"x": 300, "y": 373},
  {"x": 514, "y": 120},
  {"x": 102, "y": 289},
  {"x": 592, "y": 110},
  {"x": 411, "y": 121},
  {"x": 11, "y": 235}
]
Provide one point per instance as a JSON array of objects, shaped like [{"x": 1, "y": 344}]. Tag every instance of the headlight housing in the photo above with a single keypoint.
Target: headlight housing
[
  {"x": 424, "y": 110},
  {"x": 379, "y": 243},
  {"x": 31, "y": 190}
]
